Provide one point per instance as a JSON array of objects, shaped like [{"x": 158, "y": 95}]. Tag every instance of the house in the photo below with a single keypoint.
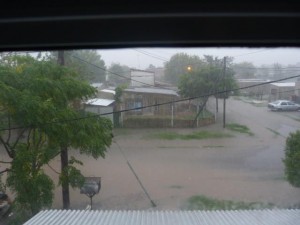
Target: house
[
  {"x": 282, "y": 91},
  {"x": 140, "y": 78},
  {"x": 100, "y": 106},
  {"x": 108, "y": 93},
  {"x": 259, "y": 91},
  {"x": 137, "y": 97}
]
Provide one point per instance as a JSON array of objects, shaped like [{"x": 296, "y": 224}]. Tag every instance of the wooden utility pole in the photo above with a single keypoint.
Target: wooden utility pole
[
  {"x": 64, "y": 158},
  {"x": 225, "y": 94}
]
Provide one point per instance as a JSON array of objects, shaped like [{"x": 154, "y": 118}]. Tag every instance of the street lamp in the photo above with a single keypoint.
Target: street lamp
[
  {"x": 91, "y": 187},
  {"x": 189, "y": 68}
]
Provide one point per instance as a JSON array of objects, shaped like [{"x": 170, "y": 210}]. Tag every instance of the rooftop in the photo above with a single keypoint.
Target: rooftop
[
  {"x": 287, "y": 84},
  {"x": 99, "y": 102},
  {"x": 108, "y": 91},
  {"x": 151, "y": 90},
  {"x": 235, "y": 217}
]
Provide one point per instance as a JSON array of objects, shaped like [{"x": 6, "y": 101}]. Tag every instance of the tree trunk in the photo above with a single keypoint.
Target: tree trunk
[
  {"x": 65, "y": 185},
  {"x": 64, "y": 151}
]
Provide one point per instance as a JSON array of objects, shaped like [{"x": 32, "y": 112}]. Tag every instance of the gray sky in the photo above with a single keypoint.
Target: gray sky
[{"x": 141, "y": 57}]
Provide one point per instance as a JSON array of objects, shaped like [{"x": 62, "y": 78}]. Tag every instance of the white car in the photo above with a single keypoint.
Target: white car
[{"x": 283, "y": 105}]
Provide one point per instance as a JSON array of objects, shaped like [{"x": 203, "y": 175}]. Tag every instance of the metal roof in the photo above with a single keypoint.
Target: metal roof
[
  {"x": 252, "y": 80},
  {"x": 288, "y": 84},
  {"x": 96, "y": 85},
  {"x": 108, "y": 91},
  {"x": 99, "y": 102},
  {"x": 238, "y": 217},
  {"x": 151, "y": 90}
]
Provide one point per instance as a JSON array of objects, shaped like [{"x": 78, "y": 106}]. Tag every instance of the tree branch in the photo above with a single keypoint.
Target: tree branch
[
  {"x": 53, "y": 169},
  {"x": 28, "y": 139},
  {"x": 9, "y": 131},
  {"x": 18, "y": 138},
  {"x": 4, "y": 171},
  {"x": 8, "y": 150},
  {"x": 201, "y": 109},
  {"x": 5, "y": 162}
]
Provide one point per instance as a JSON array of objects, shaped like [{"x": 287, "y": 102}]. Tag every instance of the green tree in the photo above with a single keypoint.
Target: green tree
[
  {"x": 87, "y": 63},
  {"x": 119, "y": 74},
  {"x": 278, "y": 73},
  {"x": 179, "y": 64},
  {"x": 207, "y": 80},
  {"x": 244, "y": 70},
  {"x": 36, "y": 119},
  {"x": 292, "y": 159}
]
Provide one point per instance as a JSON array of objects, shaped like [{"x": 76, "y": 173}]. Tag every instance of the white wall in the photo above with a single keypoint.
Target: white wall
[{"x": 145, "y": 77}]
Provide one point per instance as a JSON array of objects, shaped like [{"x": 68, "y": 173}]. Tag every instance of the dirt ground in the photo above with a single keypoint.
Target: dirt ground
[{"x": 241, "y": 168}]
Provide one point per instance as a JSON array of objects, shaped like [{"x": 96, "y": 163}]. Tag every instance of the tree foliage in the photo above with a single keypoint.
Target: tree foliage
[
  {"x": 123, "y": 71},
  {"x": 207, "y": 79},
  {"x": 245, "y": 70},
  {"x": 292, "y": 159},
  {"x": 75, "y": 59},
  {"x": 178, "y": 65},
  {"x": 37, "y": 118}
]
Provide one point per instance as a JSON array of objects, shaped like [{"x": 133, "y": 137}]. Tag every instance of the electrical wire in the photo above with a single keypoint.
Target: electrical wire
[
  {"x": 250, "y": 53},
  {"x": 116, "y": 74},
  {"x": 135, "y": 174},
  {"x": 158, "y": 104},
  {"x": 151, "y": 55}
]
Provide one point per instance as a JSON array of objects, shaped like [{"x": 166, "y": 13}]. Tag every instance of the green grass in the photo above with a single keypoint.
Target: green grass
[
  {"x": 239, "y": 128},
  {"x": 201, "y": 202},
  {"x": 195, "y": 135}
]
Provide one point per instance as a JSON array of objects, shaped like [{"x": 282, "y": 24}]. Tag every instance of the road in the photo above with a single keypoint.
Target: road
[{"x": 241, "y": 168}]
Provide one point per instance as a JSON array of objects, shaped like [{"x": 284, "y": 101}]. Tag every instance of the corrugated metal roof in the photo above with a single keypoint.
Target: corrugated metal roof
[
  {"x": 288, "y": 84},
  {"x": 108, "y": 91},
  {"x": 240, "y": 217},
  {"x": 97, "y": 85},
  {"x": 252, "y": 80},
  {"x": 152, "y": 90},
  {"x": 99, "y": 102}
]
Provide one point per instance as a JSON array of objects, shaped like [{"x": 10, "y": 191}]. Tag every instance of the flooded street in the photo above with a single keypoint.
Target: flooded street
[{"x": 240, "y": 168}]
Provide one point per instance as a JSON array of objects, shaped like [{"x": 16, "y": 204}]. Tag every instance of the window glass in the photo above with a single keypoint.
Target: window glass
[{"x": 175, "y": 128}]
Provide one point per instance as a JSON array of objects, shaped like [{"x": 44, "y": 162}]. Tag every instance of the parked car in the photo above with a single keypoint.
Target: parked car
[{"x": 283, "y": 105}]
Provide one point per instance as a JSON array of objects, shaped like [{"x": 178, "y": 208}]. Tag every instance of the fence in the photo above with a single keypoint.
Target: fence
[{"x": 180, "y": 115}]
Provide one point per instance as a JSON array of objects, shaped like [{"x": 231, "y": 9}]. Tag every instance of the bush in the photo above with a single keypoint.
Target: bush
[{"x": 292, "y": 159}]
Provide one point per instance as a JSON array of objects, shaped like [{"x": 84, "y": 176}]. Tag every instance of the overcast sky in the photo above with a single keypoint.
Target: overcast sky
[{"x": 140, "y": 58}]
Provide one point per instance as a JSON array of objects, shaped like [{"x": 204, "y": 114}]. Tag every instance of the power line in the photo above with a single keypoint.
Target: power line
[
  {"x": 159, "y": 104},
  {"x": 135, "y": 175},
  {"x": 116, "y": 74},
  {"x": 151, "y": 55},
  {"x": 270, "y": 68},
  {"x": 250, "y": 53}
]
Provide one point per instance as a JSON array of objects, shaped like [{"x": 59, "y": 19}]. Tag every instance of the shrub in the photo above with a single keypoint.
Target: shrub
[{"x": 292, "y": 159}]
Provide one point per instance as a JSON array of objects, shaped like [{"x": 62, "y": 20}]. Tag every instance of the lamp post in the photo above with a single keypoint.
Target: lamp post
[{"x": 91, "y": 187}]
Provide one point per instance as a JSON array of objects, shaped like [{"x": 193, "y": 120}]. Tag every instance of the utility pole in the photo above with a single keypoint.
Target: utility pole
[
  {"x": 225, "y": 94},
  {"x": 64, "y": 158}
]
